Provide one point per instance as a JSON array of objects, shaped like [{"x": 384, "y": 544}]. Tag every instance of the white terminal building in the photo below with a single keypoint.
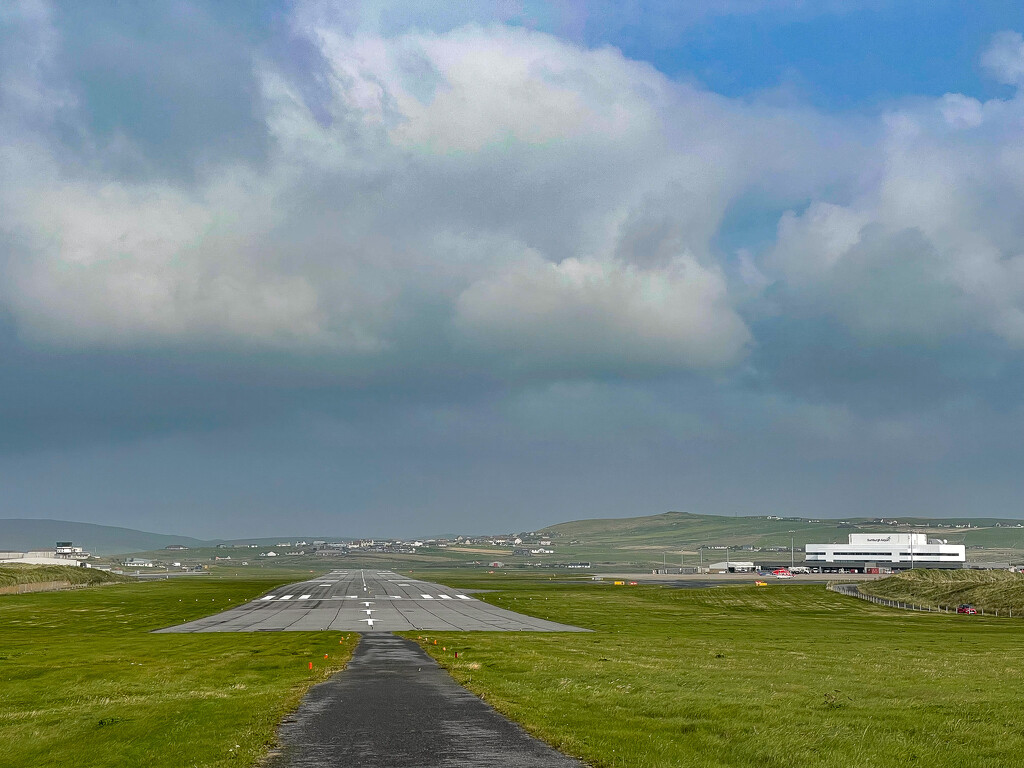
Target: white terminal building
[{"x": 886, "y": 550}]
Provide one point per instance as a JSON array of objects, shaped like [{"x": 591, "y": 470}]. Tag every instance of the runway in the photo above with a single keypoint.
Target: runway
[
  {"x": 394, "y": 707},
  {"x": 368, "y": 601}
]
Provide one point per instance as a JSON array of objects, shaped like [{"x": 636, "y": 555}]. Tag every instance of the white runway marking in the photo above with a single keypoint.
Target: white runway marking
[
  {"x": 286, "y": 597},
  {"x": 268, "y": 597},
  {"x": 445, "y": 597},
  {"x": 368, "y": 621},
  {"x": 426, "y": 597},
  {"x": 304, "y": 597},
  {"x": 463, "y": 597}
]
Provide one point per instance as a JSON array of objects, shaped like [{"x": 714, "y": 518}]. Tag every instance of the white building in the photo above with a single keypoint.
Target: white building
[
  {"x": 732, "y": 566},
  {"x": 889, "y": 550}
]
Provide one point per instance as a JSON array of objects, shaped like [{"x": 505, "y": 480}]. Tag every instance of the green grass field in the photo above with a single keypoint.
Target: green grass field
[
  {"x": 83, "y": 682},
  {"x": 784, "y": 675}
]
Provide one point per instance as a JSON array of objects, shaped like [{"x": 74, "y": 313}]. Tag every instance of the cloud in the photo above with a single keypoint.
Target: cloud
[
  {"x": 932, "y": 249},
  {"x": 406, "y": 183},
  {"x": 583, "y": 315},
  {"x": 1005, "y": 58}
]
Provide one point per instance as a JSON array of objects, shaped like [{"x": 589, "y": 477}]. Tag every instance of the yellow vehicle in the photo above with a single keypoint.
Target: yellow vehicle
[{"x": 761, "y": 583}]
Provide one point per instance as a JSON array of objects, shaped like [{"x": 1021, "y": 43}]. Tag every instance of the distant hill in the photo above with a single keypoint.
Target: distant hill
[
  {"x": 687, "y": 530},
  {"x": 22, "y": 535}
]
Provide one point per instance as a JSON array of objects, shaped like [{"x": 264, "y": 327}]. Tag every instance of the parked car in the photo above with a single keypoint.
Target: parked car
[{"x": 965, "y": 608}]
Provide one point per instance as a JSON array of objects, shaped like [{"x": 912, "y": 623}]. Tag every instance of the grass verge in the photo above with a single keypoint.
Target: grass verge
[
  {"x": 990, "y": 590},
  {"x": 743, "y": 676},
  {"x": 83, "y": 682},
  {"x": 14, "y": 575}
]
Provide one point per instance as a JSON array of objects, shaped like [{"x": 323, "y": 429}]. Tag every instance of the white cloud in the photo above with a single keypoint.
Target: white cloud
[
  {"x": 933, "y": 247},
  {"x": 581, "y": 315},
  {"x": 1005, "y": 58},
  {"x": 509, "y": 195}
]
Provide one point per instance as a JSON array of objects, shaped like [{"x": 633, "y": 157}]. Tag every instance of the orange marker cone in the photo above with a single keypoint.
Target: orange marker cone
[
  {"x": 325, "y": 655},
  {"x": 311, "y": 665}
]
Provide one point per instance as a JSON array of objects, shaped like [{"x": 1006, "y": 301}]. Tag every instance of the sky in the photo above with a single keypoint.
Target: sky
[{"x": 403, "y": 269}]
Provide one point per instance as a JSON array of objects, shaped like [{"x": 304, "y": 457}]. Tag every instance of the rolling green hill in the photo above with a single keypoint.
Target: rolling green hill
[
  {"x": 22, "y": 535},
  {"x": 677, "y": 536}
]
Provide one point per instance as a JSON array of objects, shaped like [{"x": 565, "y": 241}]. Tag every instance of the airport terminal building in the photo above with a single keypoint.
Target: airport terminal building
[{"x": 896, "y": 551}]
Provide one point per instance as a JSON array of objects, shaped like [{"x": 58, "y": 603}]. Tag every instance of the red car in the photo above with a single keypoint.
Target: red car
[{"x": 969, "y": 609}]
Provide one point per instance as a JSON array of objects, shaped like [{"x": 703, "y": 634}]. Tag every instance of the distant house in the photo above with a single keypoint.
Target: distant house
[
  {"x": 176, "y": 547},
  {"x": 138, "y": 562},
  {"x": 268, "y": 554}
]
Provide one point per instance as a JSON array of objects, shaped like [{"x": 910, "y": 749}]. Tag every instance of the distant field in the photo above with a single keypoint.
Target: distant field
[
  {"x": 771, "y": 677},
  {"x": 82, "y": 682},
  {"x": 989, "y": 590}
]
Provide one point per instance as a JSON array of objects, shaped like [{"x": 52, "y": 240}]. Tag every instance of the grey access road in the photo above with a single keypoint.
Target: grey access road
[
  {"x": 394, "y": 707},
  {"x": 368, "y": 601}
]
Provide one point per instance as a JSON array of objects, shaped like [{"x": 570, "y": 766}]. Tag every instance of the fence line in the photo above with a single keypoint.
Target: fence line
[{"x": 853, "y": 590}]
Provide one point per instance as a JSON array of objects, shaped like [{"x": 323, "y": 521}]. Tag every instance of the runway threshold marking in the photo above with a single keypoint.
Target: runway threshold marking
[
  {"x": 463, "y": 597},
  {"x": 426, "y": 597},
  {"x": 268, "y": 597},
  {"x": 286, "y": 597},
  {"x": 304, "y": 597},
  {"x": 445, "y": 597}
]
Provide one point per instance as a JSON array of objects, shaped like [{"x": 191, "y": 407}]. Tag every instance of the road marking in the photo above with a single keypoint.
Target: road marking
[
  {"x": 463, "y": 597},
  {"x": 394, "y": 597},
  {"x": 368, "y": 621},
  {"x": 368, "y": 612},
  {"x": 367, "y": 603},
  {"x": 445, "y": 597},
  {"x": 426, "y": 597},
  {"x": 268, "y": 597},
  {"x": 304, "y": 597},
  {"x": 286, "y": 597}
]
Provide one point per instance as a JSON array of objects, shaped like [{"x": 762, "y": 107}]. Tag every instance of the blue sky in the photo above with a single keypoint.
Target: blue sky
[{"x": 372, "y": 269}]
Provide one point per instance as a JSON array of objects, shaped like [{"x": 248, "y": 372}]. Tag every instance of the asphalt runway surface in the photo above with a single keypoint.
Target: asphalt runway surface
[
  {"x": 368, "y": 601},
  {"x": 394, "y": 707}
]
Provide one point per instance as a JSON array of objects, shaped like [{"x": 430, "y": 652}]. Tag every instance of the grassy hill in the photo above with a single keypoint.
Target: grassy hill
[
  {"x": 22, "y": 535},
  {"x": 12, "y": 575},
  {"x": 990, "y": 590},
  {"x": 677, "y": 536}
]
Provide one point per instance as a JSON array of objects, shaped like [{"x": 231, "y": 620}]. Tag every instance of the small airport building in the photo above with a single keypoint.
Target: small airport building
[{"x": 868, "y": 552}]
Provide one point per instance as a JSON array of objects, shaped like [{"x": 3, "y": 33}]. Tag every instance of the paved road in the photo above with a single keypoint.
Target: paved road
[
  {"x": 394, "y": 707},
  {"x": 368, "y": 601}
]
